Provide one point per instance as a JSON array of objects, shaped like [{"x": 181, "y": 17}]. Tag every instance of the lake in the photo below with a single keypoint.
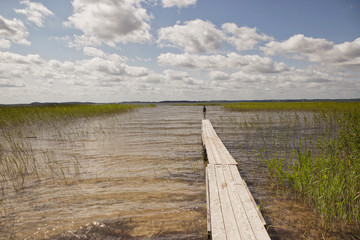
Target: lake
[{"x": 141, "y": 175}]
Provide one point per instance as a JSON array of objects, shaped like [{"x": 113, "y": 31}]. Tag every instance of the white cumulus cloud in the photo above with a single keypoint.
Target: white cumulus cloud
[
  {"x": 317, "y": 50},
  {"x": 34, "y": 12},
  {"x": 175, "y": 75},
  {"x": 111, "y": 21},
  {"x": 297, "y": 44},
  {"x": 12, "y": 31},
  {"x": 4, "y": 43},
  {"x": 219, "y": 75},
  {"x": 8, "y": 57},
  {"x": 244, "y": 38},
  {"x": 80, "y": 41},
  {"x": 195, "y": 36},
  {"x": 94, "y": 52},
  {"x": 217, "y": 62},
  {"x": 101, "y": 67},
  {"x": 178, "y": 3},
  {"x": 347, "y": 53}
]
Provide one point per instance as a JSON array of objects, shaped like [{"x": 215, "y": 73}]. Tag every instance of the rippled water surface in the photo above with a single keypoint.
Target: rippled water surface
[{"x": 140, "y": 175}]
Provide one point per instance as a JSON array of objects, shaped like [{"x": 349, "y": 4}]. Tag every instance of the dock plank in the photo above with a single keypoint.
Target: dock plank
[
  {"x": 231, "y": 228},
  {"x": 207, "y": 202},
  {"x": 232, "y": 211},
  {"x": 217, "y": 223},
  {"x": 217, "y": 150},
  {"x": 246, "y": 194},
  {"x": 226, "y": 157},
  {"x": 243, "y": 224}
]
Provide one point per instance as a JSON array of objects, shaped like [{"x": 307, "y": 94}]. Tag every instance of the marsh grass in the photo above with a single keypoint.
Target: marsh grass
[
  {"x": 196, "y": 104},
  {"x": 29, "y": 115},
  {"x": 314, "y": 150},
  {"x": 19, "y": 127},
  {"x": 318, "y": 106}
]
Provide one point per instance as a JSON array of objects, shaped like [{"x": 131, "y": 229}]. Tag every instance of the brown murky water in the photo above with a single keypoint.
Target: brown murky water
[{"x": 141, "y": 176}]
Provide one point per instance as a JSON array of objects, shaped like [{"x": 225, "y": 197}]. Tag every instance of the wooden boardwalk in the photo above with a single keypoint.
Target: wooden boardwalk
[{"x": 231, "y": 210}]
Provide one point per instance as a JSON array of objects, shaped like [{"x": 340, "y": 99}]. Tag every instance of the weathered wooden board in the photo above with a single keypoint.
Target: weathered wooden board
[
  {"x": 232, "y": 211},
  {"x": 217, "y": 223},
  {"x": 217, "y": 152}
]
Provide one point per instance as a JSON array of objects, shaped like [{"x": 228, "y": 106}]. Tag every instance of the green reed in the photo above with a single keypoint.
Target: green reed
[
  {"x": 196, "y": 104},
  {"x": 292, "y": 106},
  {"x": 19, "y": 126},
  {"x": 314, "y": 149},
  {"x": 17, "y": 115},
  {"x": 330, "y": 178}
]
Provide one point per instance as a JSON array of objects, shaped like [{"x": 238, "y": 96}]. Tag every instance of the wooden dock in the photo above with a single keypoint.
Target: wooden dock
[{"x": 231, "y": 210}]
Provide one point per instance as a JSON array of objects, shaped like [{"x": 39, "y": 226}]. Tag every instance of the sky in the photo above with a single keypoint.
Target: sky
[{"x": 155, "y": 50}]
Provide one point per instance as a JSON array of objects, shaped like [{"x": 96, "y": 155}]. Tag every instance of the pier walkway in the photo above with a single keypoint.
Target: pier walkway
[{"x": 231, "y": 210}]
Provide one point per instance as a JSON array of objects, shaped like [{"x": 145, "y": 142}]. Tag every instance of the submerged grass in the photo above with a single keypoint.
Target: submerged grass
[
  {"x": 19, "y": 161},
  {"x": 323, "y": 170},
  {"x": 37, "y": 148}
]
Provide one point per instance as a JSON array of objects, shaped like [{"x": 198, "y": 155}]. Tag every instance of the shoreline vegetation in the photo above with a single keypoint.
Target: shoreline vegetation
[
  {"x": 323, "y": 170},
  {"x": 32, "y": 114},
  {"x": 20, "y": 163},
  {"x": 328, "y": 106}
]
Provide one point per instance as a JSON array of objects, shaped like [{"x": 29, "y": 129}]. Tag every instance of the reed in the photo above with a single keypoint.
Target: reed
[
  {"x": 292, "y": 106},
  {"x": 196, "y": 104},
  {"x": 19, "y": 126},
  {"x": 20, "y": 115},
  {"x": 312, "y": 148},
  {"x": 330, "y": 178}
]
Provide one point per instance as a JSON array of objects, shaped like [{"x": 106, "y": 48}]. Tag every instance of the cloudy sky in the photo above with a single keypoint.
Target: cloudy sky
[{"x": 154, "y": 50}]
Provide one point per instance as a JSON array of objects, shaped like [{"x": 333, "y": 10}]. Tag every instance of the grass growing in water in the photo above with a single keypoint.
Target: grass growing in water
[
  {"x": 19, "y": 124},
  {"x": 43, "y": 147},
  {"x": 324, "y": 170},
  {"x": 18, "y": 115},
  {"x": 292, "y": 106}
]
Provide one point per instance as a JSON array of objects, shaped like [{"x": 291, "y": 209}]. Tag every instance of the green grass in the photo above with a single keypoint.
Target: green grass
[
  {"x": 19, "y": 124},
  {"x": 330, "y": 178},
  {"x": 20, "y": 115},
  {"x": 196, "y": 104},
  {"x": 292, "y": 106},
  {"x": 322, "y": 170}
]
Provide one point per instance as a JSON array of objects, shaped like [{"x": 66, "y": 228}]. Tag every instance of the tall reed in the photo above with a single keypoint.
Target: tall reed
[
  {"x": 314, "y": 149},
  {"x": 17, "y": 115},
  {"x": 292, "y": 106},
  {"x": 20, "y": 124}
]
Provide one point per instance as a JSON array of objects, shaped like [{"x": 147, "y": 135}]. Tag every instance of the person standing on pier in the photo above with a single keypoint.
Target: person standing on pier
[{"x": 204, "y": 112}]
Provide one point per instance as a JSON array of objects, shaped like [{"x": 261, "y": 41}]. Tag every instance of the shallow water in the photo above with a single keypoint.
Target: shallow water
[
  {"x": 140, "y": 175},
  {"x": 287, "y": 216}
]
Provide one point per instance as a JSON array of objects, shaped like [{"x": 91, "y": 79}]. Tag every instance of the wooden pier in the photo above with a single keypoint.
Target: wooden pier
[{"x": 231, "y": 210}]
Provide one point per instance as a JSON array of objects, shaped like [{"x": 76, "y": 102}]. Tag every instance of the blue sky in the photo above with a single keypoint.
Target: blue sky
[{"x": 154, "y": 50}]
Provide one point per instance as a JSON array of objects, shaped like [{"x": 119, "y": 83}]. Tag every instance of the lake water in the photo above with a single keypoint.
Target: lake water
[{"x": 140, "y": 175}]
